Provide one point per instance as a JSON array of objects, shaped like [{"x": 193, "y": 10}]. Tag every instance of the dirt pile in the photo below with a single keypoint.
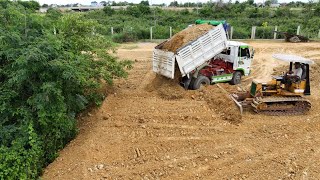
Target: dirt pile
[
  {"x": 314, "y": 72},
  {"x": 166, "y": 88},
  {"x": 184, "y": 37},
  {"x": 222, "y": 104},
  {"x": 280, "y": 70}
]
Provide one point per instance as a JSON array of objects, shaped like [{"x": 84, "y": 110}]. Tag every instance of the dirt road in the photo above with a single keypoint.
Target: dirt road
[{"x": 152, "y": 133}]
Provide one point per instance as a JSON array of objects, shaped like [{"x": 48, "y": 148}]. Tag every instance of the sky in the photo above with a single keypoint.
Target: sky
[{"x": 87, "y": 2}]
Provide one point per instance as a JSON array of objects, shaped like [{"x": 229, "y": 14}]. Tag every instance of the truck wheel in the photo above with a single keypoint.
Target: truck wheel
[
  {"x": 201, "y": 80},
  {"x": 236, "y": 78}
]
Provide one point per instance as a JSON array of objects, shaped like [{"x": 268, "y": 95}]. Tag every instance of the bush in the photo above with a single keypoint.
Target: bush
[
  {"x": 264, "y": 32},
  {"x": 161, "y": 32},
  {"x": 45, "y": 80},
  {"x": 241, "y": 33},
  {"x": 124, "y": 37}
]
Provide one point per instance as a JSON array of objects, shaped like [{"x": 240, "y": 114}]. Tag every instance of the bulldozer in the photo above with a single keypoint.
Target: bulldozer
[
  {"x": 283, "y": 95},
  {"x": 294, "y": 38}
]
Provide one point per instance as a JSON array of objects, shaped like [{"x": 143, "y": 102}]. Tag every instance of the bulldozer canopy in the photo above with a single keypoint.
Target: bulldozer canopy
[{"x": 292, "y": 58}]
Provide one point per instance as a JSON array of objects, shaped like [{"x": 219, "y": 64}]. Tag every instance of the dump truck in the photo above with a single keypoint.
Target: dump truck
[{"x": 209, "y": 59}]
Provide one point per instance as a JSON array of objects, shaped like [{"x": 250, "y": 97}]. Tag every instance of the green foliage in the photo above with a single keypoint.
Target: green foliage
[
  {"x": 264, "y": 32},
  {"x": 242, "y": 16},
  {"x": 108, "y": 10},
  {"x": 250, "y": 2},
  {"x": 137, "y": 11},
  {"x": 31, "y": 5},
  {"x": 241, "y": 33},
  {"x": 317, "y": 10},
  {"x": 46, "y": 78},
  {"x": 145, "y": 3},
  {"x": 185, "y": 12},
  {"x": 124, "y": 37}
]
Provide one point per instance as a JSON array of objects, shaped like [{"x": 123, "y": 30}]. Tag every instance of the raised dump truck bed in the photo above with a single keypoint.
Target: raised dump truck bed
[{"x": 190, "y": 56}]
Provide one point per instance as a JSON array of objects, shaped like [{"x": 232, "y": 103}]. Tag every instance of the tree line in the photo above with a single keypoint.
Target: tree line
[{"x": 134, "y": 22}]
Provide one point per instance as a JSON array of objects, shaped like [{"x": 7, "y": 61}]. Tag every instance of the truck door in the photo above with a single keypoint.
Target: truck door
[{"x": 244, "y": 59}]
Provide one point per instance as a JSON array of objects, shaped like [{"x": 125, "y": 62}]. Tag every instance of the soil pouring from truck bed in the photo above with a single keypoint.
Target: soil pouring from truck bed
[{"x": 184, "y": 37}]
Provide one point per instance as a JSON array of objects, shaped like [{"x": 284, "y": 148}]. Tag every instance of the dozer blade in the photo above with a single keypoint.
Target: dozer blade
[
  {"x": 236, "y": 102},
  {"x": 242, "y": 100}
]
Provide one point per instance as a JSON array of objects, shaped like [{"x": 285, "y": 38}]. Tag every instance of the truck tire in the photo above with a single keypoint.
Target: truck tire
[
  {"x": 201, "y": 80},
  {"x": 236, "y": 78}
]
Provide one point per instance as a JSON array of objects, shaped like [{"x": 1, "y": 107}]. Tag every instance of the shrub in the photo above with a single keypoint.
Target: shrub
[
  {"x": 45, "y": 80},
  {"x": 264, "y": 32},
  {"x": 241, "y": 33},
  {"x": 124, "y": 37}
]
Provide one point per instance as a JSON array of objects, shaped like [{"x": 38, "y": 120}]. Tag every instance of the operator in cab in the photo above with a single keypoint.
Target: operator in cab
[{"x": 295, "y": 75}]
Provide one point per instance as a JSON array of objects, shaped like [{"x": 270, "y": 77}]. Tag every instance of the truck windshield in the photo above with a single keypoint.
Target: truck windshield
[{"x": 244, "y": 52}]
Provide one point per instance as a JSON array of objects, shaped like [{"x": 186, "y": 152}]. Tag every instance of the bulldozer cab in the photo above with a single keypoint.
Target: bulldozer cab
[{"x": 296, "y": 84}]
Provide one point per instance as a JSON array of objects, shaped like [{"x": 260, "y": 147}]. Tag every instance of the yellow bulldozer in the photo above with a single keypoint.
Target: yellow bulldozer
[{"x": 284, "y": 94}]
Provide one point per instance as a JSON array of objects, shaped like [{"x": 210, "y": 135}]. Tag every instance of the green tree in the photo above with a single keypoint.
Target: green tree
[
  {"x": 32, "y": 5},
  {"x": 267, "y": 3},
  {"x": 317, "y": 10},
  {"x": 174, "y": 4},
  {"x": 45, "y": 80},
  {"x": 108, "y": 10},
  {"x": 250, "y": 2},
  {"x": 145, "y": 3}
]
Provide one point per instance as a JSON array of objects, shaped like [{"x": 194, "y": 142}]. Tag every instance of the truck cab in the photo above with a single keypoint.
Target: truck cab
[{"x": 240, "y": 55}]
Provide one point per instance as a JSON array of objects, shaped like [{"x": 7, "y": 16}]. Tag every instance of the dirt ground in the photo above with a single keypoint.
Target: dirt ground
[{"x": 143, "y": 131}]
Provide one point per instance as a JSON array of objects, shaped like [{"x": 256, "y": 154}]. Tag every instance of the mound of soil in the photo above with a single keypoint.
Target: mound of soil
[
  {"x": 217, "y": 99},
  {"x": 166, "y": 88},
  {"x": 314, "y": 72},
  {"x": 185, "y": 36},
  {"x": 222, "y": 104},
  {"x": 279, "y": 70}
]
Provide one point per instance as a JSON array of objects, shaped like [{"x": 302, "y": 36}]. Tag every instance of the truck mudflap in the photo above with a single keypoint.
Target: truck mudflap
[
  {"x": 164, "y": 63},
  {"x": 186, "y": 81}
]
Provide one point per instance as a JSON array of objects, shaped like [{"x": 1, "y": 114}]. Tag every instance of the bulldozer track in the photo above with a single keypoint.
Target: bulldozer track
[{"x": 276, "y": 106}]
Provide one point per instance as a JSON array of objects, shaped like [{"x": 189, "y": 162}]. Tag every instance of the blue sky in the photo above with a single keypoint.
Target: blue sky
[{"x": 87, "y": 2}]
